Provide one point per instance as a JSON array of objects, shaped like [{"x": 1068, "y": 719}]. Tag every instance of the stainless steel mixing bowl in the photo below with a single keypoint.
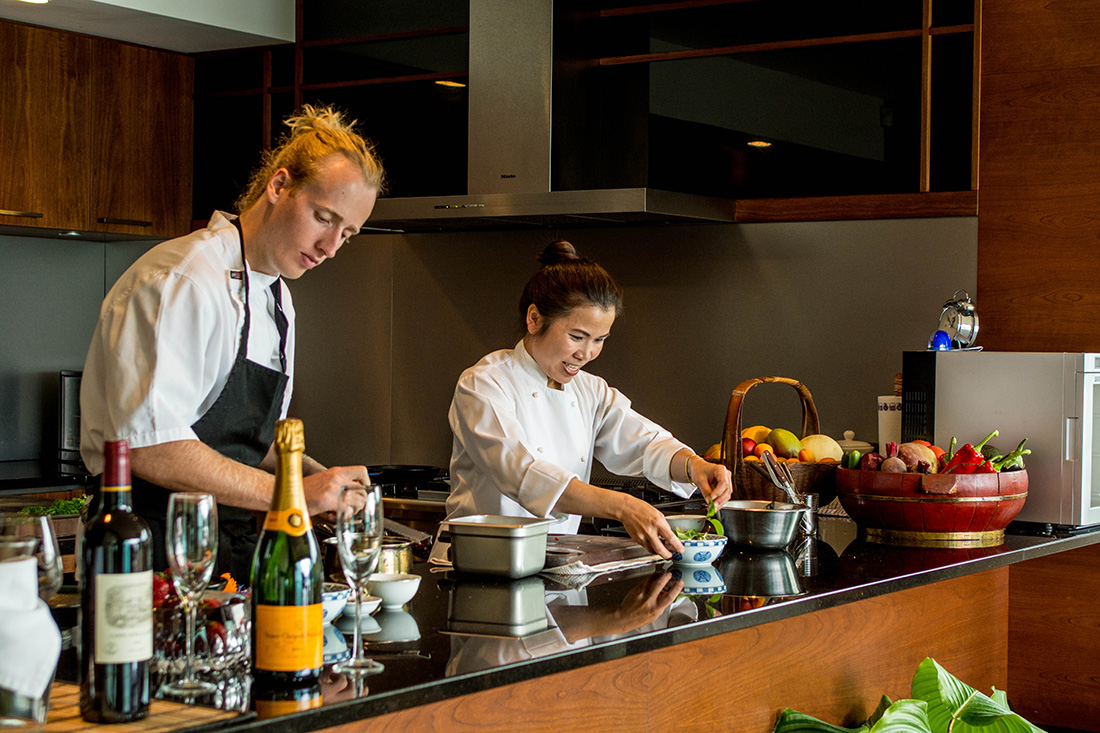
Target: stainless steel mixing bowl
[{"x": 761, "y": 524}]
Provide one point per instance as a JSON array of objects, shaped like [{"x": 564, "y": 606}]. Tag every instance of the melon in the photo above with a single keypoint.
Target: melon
[{"x": 822, "y": 446}]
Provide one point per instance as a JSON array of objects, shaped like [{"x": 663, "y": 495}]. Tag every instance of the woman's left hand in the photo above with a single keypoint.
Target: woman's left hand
[{"x": 713, "y": 479}]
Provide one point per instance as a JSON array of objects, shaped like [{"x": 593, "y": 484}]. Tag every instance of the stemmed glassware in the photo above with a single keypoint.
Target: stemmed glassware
[
  {"x": 359, "y": 541},
  {"x": 41, "y": 528},
  {"x": 192, "y": 544}
]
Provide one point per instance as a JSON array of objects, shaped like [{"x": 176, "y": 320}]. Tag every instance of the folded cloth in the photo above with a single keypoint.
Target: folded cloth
[
  {"x": 29, "y": 636},
  {"x": 580, "y": 568}
]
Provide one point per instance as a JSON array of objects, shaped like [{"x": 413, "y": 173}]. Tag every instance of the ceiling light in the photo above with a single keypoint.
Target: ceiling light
[
  {"x": 448, "y": 83},
  {"x": 758, "y": 144},
  {"x": 35, "y": 2}
]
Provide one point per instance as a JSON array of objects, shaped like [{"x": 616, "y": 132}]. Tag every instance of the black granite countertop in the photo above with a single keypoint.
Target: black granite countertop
[{"x": 431, "y": 651}]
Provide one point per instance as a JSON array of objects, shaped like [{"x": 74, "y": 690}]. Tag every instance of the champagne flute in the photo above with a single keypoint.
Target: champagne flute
[
  {"x": 192, "y": 544},
  {"x": 359, "y": 542},
  {"x": 41, "y": 529}
]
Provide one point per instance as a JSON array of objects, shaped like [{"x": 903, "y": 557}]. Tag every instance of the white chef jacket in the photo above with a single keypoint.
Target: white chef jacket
[
  {"x": 518, "y": 442},
  {"x": 167, "y": 336}
]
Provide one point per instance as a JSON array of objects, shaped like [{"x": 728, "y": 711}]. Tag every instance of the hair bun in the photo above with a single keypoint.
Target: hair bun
[{"x": 558, "y": 252}]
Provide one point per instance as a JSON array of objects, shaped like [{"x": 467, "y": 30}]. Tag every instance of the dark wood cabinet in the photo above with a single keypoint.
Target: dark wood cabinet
[
  {"x": 44, "y": 133},
  {"x": 96, "y": 135},
  {"x": 141, "y": 140}
]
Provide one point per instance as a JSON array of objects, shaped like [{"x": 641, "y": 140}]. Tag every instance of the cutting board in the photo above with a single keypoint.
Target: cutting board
[{"x": 565, "y": 549}]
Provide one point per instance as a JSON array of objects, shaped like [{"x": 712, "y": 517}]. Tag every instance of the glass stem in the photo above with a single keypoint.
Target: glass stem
[
  {"x": 189, "y": 659},
  {"x": 358, "y": 654}
]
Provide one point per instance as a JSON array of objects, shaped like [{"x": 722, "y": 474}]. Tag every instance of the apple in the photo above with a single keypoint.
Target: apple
[{"x": 748, "y": 445}]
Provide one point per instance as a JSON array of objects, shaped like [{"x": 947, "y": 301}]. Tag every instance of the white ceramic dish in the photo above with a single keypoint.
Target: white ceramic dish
[
  {"x": 367, "y": 624},
  {"x": 701, "y": 552},
  {"x": 334, "y": 597},
  {"x": 395, "y": 589},
  {"x": 335, "y": 646},
  {"x": 699, "y": 579}
]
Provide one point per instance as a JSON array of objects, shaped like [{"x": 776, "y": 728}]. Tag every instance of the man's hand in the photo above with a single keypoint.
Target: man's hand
[{"x": 323, "y": 489}]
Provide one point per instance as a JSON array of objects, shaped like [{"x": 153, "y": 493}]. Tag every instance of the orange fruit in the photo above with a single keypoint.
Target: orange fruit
[
  {"x": 827, "y": 460},
  {"x": 752, "y": 458},
  {"x": 806, "y": 455},
  {"x": 761, "y": 448}
]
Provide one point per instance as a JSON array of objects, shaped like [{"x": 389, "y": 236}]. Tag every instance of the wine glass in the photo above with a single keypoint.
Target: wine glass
[
  {"x": 41, "y": 528},
  {"x": 192, "y": 544},
  {"x": 359, "y": 542}
]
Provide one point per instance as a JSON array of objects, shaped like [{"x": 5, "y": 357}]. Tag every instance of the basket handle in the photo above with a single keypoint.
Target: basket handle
[{"x": 733, "y": 453}]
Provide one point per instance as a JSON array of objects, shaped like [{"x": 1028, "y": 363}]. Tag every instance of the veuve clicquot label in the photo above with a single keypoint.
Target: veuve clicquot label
[
  {"x": 288, "y": 638},
  {"x": 290, "y": 520},
  {"x": 123, "y": 617}
]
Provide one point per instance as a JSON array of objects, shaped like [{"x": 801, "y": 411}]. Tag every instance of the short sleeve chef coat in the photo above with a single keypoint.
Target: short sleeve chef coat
[
  {"x": 518, "y": 443},
  {"x": 167, "y": 336}
]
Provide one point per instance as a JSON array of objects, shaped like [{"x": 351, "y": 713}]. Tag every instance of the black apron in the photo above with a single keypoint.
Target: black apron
[{"x": 240, "y": 425}]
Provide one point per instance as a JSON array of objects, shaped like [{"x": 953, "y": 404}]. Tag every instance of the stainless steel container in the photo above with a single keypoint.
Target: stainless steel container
[
  {"x": 512, "y": 547},
  {"x": 761, "y": 524},
  {"x": 397, "y": 556},
  {"x": 504, "y": 608},
  {"x": 766, "y": 573}
]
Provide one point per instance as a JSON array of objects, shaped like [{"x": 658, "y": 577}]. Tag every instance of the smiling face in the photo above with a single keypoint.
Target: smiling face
[
  {"x": 303, "y": 226},
  {"x": 563, "y": 346}
]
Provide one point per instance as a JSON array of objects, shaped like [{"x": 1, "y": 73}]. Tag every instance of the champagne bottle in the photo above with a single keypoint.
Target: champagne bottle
[
  {"x": 286, "y": 577},
  {"x": 116, "y": 601}
]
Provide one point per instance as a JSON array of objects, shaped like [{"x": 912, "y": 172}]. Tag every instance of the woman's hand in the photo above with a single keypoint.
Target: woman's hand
[
  {"x": 713, "y": 479},
  {"x": 647, "y": 526}
]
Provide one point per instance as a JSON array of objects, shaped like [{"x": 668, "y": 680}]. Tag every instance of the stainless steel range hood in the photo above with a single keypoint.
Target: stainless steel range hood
[{"x": 511, "y": 68}]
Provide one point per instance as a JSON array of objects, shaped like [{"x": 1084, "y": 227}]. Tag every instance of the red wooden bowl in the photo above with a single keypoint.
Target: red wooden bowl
[{"x": 945, "y": 510}]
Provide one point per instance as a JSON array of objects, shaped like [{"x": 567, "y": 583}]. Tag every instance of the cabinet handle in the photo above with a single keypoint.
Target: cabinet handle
[
  {"x": 28, "y": 214},
  {"x": 127, "y": 222}
]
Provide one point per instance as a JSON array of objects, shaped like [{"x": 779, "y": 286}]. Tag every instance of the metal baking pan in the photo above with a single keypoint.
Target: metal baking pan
[{"x": 491, "y": 544}]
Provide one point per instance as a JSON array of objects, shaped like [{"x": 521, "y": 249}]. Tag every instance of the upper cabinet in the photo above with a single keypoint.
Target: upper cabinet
[
  {"x": 96, "y": 134},
  {"x": 747, "y": 100}
]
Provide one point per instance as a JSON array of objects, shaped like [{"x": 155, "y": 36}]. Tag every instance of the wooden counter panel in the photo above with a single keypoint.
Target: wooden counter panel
[
  {"x": 835, "y": 663},
  {"x": 1054, "y": 639}
]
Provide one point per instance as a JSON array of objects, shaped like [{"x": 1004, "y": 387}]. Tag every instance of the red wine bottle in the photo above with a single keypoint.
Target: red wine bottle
[{"x": 116, "y": 601}]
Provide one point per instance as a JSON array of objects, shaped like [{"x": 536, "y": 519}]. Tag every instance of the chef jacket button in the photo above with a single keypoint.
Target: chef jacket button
[
  {"x": 582, "y": 459},
  {"x": 534, "y": 394},
  {"x": 540, "y": 449},
  {"x": 573, "y": 403}
]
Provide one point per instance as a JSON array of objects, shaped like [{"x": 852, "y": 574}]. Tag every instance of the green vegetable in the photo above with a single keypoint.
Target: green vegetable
[
  {"x": 59, "y": 506},
  {"x": 694, "y": 534},
  {"x": 940, "y": 704},
  {"x": 851, "y": 460},
  {"x": 991, "y": 452},
  {"x": 1013, "y": 460}
]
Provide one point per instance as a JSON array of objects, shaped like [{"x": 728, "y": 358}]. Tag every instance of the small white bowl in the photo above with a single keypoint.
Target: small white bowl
[
  {"x": 334, "y": 596},
  {"x": 395, "y": 589},
  {"x": 395, "y": 626},
  {"x": 700, "y": 552},
  {"x": 335, "y": 646},
  {"x": 367, "y": 624},
  {"x": 688, "y": 522},
  {"x": 699, "y": 579}
]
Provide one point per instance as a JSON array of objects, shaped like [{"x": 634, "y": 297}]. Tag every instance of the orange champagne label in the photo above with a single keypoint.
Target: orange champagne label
[
  {"x": 291, "y": 520},
  {"x": 274, "y": 708},
  {"x": 288, "y": 638},
  {"x": 115, "y": 489}
]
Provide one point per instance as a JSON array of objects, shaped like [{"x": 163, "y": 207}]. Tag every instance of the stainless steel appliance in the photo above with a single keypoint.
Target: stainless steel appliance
[{"x": 1052, "y": 399}]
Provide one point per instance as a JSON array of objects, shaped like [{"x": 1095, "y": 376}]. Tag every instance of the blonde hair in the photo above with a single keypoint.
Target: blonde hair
[{"x": 315, "y": 133}]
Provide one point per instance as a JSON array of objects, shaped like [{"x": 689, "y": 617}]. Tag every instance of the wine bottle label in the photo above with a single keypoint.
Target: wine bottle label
[
  {"x": 274, "y": 708},
  {"x": 291, "y": 520},
  {"x": 123, "y": 617},
  {"x": 288, "y": 638}
]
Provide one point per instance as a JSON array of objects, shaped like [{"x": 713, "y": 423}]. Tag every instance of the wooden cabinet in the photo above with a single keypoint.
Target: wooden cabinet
[
  {"x": 95, "y": 134},
  {"x": 44, "y": 135},
  {"x": 141, "y": 140}
]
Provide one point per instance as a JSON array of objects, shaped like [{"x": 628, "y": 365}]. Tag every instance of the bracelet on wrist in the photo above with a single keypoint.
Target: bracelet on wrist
[{"x": 687, "y": 470}]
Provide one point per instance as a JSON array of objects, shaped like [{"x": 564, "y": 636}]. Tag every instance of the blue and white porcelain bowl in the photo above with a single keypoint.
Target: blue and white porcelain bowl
[
  {"x": 336, "y": 648},
  {"x": 699, "y": 580},
  {"x": 334, "y": 596},
  {"x": 700, "y": 552}
]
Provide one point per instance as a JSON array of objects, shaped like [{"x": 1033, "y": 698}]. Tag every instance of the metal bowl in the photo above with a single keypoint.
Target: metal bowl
[{"x": 761, "y": 524}]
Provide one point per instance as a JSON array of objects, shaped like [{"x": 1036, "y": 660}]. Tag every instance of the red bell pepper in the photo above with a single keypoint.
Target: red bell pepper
[{"x": 969, "y": 458}]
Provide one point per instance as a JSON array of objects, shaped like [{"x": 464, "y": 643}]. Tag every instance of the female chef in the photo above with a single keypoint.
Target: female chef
[{"x": 528, "y": 422}]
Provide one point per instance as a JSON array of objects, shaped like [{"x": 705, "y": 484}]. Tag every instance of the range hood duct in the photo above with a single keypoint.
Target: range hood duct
[{"x": 511, "y": 68}]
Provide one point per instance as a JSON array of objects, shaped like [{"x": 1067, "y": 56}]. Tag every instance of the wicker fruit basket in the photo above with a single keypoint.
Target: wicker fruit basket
[{"x": 750, "y": 480}]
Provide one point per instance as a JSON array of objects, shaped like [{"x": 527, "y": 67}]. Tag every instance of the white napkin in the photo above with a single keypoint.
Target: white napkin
[
  {"x": 29, "y": 636},
  {"x": 580, "y": 568}
]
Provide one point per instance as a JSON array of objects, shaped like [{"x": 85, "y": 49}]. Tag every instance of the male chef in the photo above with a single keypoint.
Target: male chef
[{"x": 192, "y": 360}]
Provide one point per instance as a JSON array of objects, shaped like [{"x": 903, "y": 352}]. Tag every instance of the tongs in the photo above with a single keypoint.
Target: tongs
[{"x": 780, "y": 475}]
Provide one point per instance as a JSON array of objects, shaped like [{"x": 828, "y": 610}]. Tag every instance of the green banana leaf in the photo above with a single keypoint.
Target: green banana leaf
[
  {"x": 904, "y": 716},
  {"x": 957, "y": 707}
]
